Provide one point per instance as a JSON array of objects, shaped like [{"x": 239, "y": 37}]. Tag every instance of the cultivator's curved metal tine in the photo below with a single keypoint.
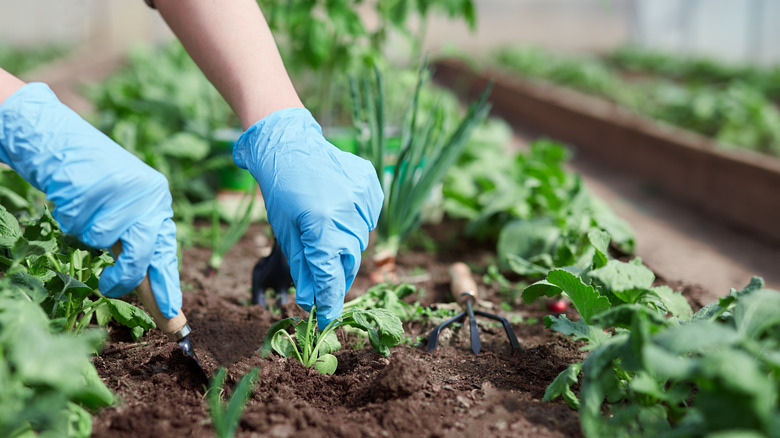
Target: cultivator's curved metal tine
[
  {"x": 507, "y": 328},
  {"x": 476, "y": 345},
  {"x": 271, "y": 272},
  {"x": 433, "y": 337}
]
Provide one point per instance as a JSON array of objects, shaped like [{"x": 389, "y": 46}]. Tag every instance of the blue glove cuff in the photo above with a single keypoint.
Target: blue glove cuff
[{"x": 270, "y": 132}]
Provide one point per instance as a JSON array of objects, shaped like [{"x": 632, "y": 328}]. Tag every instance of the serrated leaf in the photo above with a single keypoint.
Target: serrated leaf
[
  {"x": 585, "y": 298},
  {"x": 10, "y": 231},
  {"x": 674, "y": 302},
  {"x": 561, "y": 386},
  {"x": 326, "y": 364},
  {"x": 542, "y": 288},
  {"x": 619, "y": 276},
  {"x": 579, "y": 330},
  {"x": 600, "y": 241}
]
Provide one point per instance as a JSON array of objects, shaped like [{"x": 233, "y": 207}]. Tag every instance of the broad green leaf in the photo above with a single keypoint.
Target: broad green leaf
[
  {"x": 586, "y": 300},
  {"x": 625, "y": 314},
  {"x": 757, "y": 313},
  {"x": 527, "y": 239},
  {"x": 329, "y": 343},
  {"x": 185, "y": 145},
  {"x": 620, "y": 276},
  {"x": 620, "y": 231},
  {"x": 129, "y": 315},
  {"x": 738, "y": 394},
  {"x": 697, "y": 336},
  {"x": 271, "y": 333},
  {"x": 10, "y": 231},
  {"x": 542, "y": 288},
  {"x": 525, "y": 267},
  {"x": 70, "y": 284},
  {"x": 674, "y": 302},
  {"x": 579, "y": 330},
  {"x": 600, "y": 241},
  {"x": 283, "y": 345},
  {"x": 384, "y": 329},
  {"x": 561, "y": 386},
  {"x": 326, "y": 364}
]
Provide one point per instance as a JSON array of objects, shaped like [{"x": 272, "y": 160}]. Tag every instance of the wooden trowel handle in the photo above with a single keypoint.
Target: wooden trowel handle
[
  {"x": 176, "y": 327},
  {"x": 462, "y": 284}
]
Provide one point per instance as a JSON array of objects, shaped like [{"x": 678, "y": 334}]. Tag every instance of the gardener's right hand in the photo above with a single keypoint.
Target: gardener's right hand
[
  {"x": 321, "y": 202},
  {"x": 101, "y": 192}
]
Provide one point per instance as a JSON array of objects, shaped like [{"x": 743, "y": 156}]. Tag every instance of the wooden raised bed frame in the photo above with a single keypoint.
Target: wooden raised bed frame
[{"x": 741, "y": 187}]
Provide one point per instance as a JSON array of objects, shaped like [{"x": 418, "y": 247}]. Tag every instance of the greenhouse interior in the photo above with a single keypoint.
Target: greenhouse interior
[{"x": 390, "y": 218}]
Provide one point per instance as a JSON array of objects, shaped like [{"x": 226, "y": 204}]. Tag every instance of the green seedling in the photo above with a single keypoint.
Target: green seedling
[
  {"x": 225, "y": 415},
  {"x": 314, "y": 349}
]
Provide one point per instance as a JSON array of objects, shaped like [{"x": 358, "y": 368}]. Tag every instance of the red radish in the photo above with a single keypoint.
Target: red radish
[{"x": 557, "y": 306}]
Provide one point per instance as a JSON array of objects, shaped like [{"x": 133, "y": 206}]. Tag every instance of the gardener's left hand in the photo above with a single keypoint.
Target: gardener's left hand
[{"x": 321, "y": 203}]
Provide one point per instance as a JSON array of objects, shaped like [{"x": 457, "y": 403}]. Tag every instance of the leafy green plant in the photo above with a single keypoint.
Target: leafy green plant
[
  {"x": 654, "y": 367},
  {"x": 730, "y": 104},
  {"x": 538, "y": 212},
  {"x": 327, "y": 37},
  {"x": 314, "y": 348},
  {"x": 61, "y": 275},
  {"x": 390, "y": 297},
  {"x": 225, "y": 415},
  {"x": 20, "y": 60},
  {"x": 40, "y": 395},
  {"x": 428, "y": 149},
  {"x": 161, "y": 108}
]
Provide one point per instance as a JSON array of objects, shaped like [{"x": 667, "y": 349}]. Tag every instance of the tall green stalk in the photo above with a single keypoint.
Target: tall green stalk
[{"x": 427, "y": 152}]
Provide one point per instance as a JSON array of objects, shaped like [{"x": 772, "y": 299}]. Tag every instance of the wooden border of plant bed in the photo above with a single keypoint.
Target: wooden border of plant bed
[{"x": 742, "y": 187}]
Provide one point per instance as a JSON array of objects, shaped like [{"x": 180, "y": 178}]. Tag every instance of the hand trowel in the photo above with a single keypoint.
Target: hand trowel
[{"x": 176, "y": 329}]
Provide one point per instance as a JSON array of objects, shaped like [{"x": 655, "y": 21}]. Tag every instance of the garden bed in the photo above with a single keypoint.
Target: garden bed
[
  {"x": 739, "y": 187},
  {"x": 449, "y": 392}
]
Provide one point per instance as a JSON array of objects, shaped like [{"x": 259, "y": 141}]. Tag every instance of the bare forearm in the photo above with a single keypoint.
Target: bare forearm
[
  {"x": 230, "y": 41},
  {"x": 8, "y": 85}
]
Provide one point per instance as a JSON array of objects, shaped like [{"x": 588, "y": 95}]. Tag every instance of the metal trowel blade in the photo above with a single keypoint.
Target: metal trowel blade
[{"x": 185, "y": 344}]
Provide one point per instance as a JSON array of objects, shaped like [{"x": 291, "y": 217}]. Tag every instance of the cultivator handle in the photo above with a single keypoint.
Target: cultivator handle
[
  {"x": 462, "y": 284},
  {"x": 175, "y": 328}
]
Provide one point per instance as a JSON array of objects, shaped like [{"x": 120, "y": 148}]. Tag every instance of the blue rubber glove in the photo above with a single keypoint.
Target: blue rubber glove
[
  {"x": 321, "y": 203},
  {"x": 101, "y": 192}
]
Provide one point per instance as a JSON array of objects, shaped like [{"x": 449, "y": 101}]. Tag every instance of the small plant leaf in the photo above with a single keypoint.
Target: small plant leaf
[
  {"x": 619, "y": 276},
  {"x": 384, "y": 329},
  {"x": 561, "y": 386},
  {"x": 586, "y": 300},
  {"x": 271, "y": 333},
  {"x": 541, "y": 288},
  {"x": 282, "y": 344},
  {"x": 329, "y": 343},
  {"x": 326, "y": 364},
  {"x": 129, "y": 315}
]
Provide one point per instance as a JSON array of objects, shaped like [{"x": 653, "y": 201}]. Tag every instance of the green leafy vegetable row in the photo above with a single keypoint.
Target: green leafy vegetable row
[
  {"x": 657, "y": 369},
  {"x": 538, "y": 212},
  {"x": 314, "y": 348},
  {"x": 738, "y": 111}
]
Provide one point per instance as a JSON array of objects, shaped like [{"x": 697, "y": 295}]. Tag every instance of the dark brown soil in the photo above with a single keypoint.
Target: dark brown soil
[{"x": 450, "y": 392}]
